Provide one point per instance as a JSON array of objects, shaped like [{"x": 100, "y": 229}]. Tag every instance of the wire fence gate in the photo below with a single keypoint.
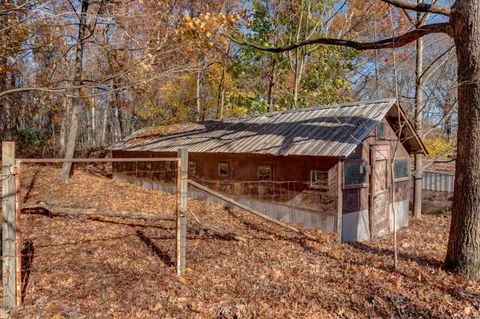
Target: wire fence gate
[{"x": 16, "y": 244}]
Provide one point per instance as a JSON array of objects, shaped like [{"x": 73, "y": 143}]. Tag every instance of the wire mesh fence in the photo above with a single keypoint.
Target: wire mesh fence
[
  {"x": 295, "y": 194},
  {"x": 91, "y": 225},
  {"x": 77, "y": 226}
]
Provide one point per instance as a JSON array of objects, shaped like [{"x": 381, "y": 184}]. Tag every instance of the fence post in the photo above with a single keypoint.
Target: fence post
[
  {"x": 340, "y": 173},
  {"x": 182, "y": 210},
  {"x": 9, "y": 267}
]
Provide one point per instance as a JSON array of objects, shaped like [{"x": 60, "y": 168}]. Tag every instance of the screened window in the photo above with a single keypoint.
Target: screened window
[
  {"x": 319, "y": 179},
  {"x": 223, "y": 169},
  {"x": 355, "y": 173},
  {"x": 381, "y": 130},
  {"x": 401, "y": 169},
  {"x": 264, "y": 172},
  {"x": 192, "y": 168}
]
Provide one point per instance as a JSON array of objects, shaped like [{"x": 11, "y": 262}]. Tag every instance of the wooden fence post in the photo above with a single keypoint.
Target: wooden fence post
[
  {"x": 340, "y": 173},
  {"x": 9, "y": 205},
  {"x": 182, "y": 210}
]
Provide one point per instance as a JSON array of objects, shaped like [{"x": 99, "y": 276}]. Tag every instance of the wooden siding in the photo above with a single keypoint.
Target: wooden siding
[{"x": 357, "y": 199}]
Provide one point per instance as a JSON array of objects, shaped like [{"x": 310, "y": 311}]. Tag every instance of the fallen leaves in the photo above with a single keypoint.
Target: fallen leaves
[{"x": 82, "y": 268}]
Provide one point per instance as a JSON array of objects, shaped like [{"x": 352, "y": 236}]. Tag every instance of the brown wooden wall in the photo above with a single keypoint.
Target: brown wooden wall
[
  {"x": 357, "y": 199},
  {"x": 290, "y": 183}
]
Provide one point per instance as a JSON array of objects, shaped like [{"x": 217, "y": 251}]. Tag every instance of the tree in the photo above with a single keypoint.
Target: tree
[
  {"x": 77, "y": 82},
  {"x": 463, "y": 255},
  {"x": 419, "y": 87},
  {"x": 301, "y": 78}
]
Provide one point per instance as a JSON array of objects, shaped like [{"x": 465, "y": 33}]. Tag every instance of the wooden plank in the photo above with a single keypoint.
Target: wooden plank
[
  {"x": 18, "y": 232},
  {"x": 90, "y": 212},
  {"x": 97, "y": 160},
  {"x": 371, "y": 195},
  {"x": 248, "y": 209},
  {"x": 8, "y": 226},
  {"x": 340, "y": 170},
  {"x": 182, "y": 178}
]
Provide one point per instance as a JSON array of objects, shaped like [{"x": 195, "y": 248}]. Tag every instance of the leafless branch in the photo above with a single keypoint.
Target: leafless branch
[
  {"x": 421, "y": 7},
  {"x": 394, "y": 42}
]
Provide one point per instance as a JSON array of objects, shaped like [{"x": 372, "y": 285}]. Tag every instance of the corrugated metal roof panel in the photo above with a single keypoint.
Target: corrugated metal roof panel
[{"x": 320, "y": 131}]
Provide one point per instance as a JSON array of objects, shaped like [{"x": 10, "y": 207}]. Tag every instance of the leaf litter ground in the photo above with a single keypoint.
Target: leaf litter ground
[{"x": 118, "y": 268}]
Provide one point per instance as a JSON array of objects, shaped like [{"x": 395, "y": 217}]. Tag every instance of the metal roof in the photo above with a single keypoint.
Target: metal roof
[{"x": 334, "y": 130}]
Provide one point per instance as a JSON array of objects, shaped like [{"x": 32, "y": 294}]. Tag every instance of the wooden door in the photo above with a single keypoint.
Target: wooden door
[{"x": 380, "y": 192}]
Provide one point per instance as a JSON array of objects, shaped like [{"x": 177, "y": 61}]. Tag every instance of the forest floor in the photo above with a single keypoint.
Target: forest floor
[{"x": 119, "y": 268}]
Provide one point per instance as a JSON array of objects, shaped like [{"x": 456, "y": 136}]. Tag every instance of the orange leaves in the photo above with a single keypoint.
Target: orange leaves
[
  {"x": 205, "y": 29},
  {"x": 102, "y": 266}
]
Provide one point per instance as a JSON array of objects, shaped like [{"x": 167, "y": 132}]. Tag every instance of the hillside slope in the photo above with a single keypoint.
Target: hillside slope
[{"x": 119, "y": 268}]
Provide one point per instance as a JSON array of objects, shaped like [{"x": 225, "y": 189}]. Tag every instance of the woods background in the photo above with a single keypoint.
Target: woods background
[{"x": 119, "y": 66}]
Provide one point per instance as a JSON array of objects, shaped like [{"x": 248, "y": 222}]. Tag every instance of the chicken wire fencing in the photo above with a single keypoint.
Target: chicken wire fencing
[
  {"x": 297, "y": 202},
  {"x": 58, "y": 230},
  {"x": 311, "y": 203}
]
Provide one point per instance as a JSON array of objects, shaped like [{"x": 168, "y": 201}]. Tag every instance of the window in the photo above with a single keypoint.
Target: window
[
  {"x": 192, "y": 168},
  {"x": 381, "y": 130},
  {"x": 355, "y": 173},
  {"x": 168, "y": 166},
  {"x": 223, "y": 169},
  {"x": 319, "y": 179},
  {"x": 401, "y": 169},
  {"x": 264, "y": 172}
]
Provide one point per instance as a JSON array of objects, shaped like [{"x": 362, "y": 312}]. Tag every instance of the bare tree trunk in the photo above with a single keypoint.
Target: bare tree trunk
[
  {"x": 197, "y": 97},
  {"x": 93, "y": 125},
  {"x": 221, "y": 86},
  {"x": 447, "y": 111},
  {"x": 104, "y": 126},
  {"x": 116, "y": 129},
  {"x": 93, "y": 119},
  {"x": 76, "y": 99},
  {"x": 417, "y": 186},
  {"x": 463, "y": 255},
  {"x": 117, "y": 123},
  {"x": 271, "y": 83},
  {"x": 296, "y": 81},
  {"x": 64, "y": 126}
]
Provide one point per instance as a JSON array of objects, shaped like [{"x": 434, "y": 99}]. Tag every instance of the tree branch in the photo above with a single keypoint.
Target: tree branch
[
  {"x": 394, "y": 42},
  {"x": 421, "y": 7}
]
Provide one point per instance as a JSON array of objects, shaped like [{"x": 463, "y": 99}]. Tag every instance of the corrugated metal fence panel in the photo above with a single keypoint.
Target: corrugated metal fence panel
[{"x": 438, "y": 181}]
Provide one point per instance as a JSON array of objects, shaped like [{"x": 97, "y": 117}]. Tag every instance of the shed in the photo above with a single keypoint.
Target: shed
[{"x": 321, "y": 167}]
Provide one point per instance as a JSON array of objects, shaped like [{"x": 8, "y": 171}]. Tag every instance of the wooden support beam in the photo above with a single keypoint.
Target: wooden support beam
[
  {"x": 18, "y": 231},
  {"x": 340, "y": 174},
  {"x": 9, "y": 206},
  {"x": 182, "y": 178},
  {"x": 249, "y": 210},
  {"x": 371, "y": 190},
  {"x": 97, "y": 160}
]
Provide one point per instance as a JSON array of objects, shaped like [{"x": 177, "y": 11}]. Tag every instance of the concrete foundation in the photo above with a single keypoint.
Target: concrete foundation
[{"x": 355, "y": 226}]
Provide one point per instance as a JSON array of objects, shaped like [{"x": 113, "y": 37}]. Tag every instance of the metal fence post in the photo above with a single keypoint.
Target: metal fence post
[
  {"x": 182, "y": 210},
  {"x": 9, "y": 205}
]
